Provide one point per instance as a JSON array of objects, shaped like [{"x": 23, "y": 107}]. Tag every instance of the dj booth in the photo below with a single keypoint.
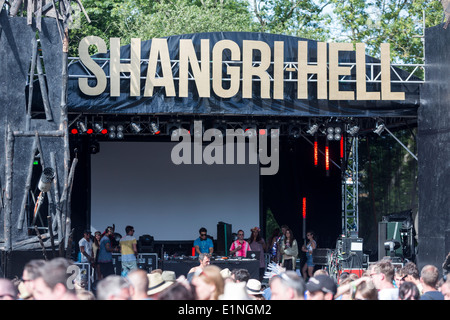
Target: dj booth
[{"x": 182, "y": 266}]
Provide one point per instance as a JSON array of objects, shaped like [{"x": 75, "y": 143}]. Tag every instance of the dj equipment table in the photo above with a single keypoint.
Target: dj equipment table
[{"x": 182, "y": 266}]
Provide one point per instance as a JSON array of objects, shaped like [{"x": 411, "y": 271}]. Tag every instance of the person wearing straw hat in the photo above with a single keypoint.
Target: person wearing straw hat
[
  {"x": 254, "y": 289},
  {"x": 156, "y": 284},
  {"x": 235, "y": 291},
  {"x": 169, "y": 276}
]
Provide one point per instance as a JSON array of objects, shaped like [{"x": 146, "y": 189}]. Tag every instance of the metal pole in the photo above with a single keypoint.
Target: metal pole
[{"x": 414, "y": 156}]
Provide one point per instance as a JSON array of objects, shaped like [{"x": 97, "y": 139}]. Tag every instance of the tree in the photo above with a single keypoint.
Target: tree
[
  {"x": 297, "y": 18},
  {"x": 149, "y": 19},
  {"x": 398, "y": 22}
]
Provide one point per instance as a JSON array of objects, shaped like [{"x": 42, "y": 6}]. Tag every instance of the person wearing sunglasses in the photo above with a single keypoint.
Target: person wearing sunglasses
[
  {"x": 240, "y": 247},
  {"x": 203, "y": 244}
]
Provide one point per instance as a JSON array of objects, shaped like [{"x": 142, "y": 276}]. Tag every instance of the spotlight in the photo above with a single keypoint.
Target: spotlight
[
  {"x": 119, "y": 127},
  {"x": 334, "y": 133},
  {"x": 136, "y": 127},
  {"x": 173, "y": 129},
  {"x": 353, "y": 130},
  {"x": 294, "y": 132},
  {"x": 154, "y": 128},
  {"x": 250, "y": 129},
  {"x": 379, "y": 128},
  {"x": 119, "y": 134},
  {"x": 81, "y": 126},
  {"x": 392, "y": 245},
  {"x": 98, "y": 127},
  {"x": 74, "y": 131},
  {"x": 313, "y": 129}
]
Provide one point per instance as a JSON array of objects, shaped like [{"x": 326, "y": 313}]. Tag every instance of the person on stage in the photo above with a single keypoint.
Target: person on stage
[
  {"x": 203, "y": 244},
  {"x": 308, "y": 267},
  {"x": 240, "y": 247},
  {"x": 257, "y": 243},
  {"x": 289, "y": 251},
  {"x": 128, "y": 249}
]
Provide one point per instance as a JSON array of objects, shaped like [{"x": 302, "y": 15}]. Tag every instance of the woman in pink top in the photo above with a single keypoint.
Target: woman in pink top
[{"x": 240, "y": 247}]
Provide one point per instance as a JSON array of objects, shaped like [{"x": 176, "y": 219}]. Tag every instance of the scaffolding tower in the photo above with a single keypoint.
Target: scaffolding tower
[{"x": 350, "y": 214}]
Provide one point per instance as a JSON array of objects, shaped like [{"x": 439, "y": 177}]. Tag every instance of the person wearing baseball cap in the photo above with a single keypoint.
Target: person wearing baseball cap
[{"x": 321, "y": 287}]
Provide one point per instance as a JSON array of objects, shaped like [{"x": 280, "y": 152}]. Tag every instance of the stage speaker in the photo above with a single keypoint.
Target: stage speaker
[
  {"x": 321, "y": 256},
  {"x": 352, "y": 253},
  {"x": 224, "y": 238},
  {"x": 145, "y": 244}
]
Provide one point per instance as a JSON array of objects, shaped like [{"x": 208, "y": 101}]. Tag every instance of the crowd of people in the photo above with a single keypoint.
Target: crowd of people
[
  {"x": 52, "y": 280},
  {"x": 58, "y": 279}
]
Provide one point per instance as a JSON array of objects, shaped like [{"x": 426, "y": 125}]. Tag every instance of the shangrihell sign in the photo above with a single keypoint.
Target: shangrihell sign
[{"x": 206, "y": 67}]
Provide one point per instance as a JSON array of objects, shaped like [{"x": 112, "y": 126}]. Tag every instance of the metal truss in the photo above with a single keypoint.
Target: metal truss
[
  {"x": 373, "y": 71},
  {"x": 350, "y": 214}
]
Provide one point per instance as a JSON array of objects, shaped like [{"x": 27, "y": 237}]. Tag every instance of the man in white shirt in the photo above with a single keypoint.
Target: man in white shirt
[
  {"x": 85, "y": 245},
  {"x": 382, "y": 275}
]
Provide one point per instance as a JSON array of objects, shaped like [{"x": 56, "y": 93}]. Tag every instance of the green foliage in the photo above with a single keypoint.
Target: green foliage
[
  {"x": 147, "y": 19},
  {"x": 296, "y": 18},
  {"x": 388, "y": 179},
  {"x": 271, "y": 224},
  {"x": 398, "y": 22}
]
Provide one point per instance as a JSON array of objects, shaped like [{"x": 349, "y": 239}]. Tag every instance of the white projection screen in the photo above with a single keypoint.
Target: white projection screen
[{"x": 136, "y": 183}]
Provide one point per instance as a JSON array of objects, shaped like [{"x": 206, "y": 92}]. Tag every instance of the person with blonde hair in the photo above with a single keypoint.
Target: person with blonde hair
[{"x": 209, "y": 284}]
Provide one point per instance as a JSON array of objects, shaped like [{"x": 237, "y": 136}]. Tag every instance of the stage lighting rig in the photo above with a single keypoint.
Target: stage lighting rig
[
  {"x": 334, "y": 133},
  {"x": 294, "y": 132},
  {"x": 99, "y": 128},
  {"x": 136, "y": 127},
  {"x": 81, "y": 126},
  {"x": 379, "y": 128},
  {"x": 353, "y": 130},
  {"x": 391, "y": 246},
  {"x": 112, "y": 132},
  {"x": 313, "y": 129},
  {"x": 154, "y": 128},
  {"x": 119, "y": 133}
]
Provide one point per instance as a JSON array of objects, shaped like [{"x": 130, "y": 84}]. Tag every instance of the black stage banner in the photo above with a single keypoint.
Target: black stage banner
[{"x": 238, "y": 73}]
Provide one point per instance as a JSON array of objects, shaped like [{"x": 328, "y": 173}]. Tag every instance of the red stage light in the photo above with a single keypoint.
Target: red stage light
[
  {"x": 327, "y": 158},
  {"x": 262, "y": 132},
  {"x": 342, "y": 147},
  {"x": 158, "y": 132},
  {"x": 304, "y": 208},
  {"x": 90, "y": 131},
  {"x": 316, "y": 153},
  {"x": 74, "y": 131},
  {"x": 104, "y": 131}
]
